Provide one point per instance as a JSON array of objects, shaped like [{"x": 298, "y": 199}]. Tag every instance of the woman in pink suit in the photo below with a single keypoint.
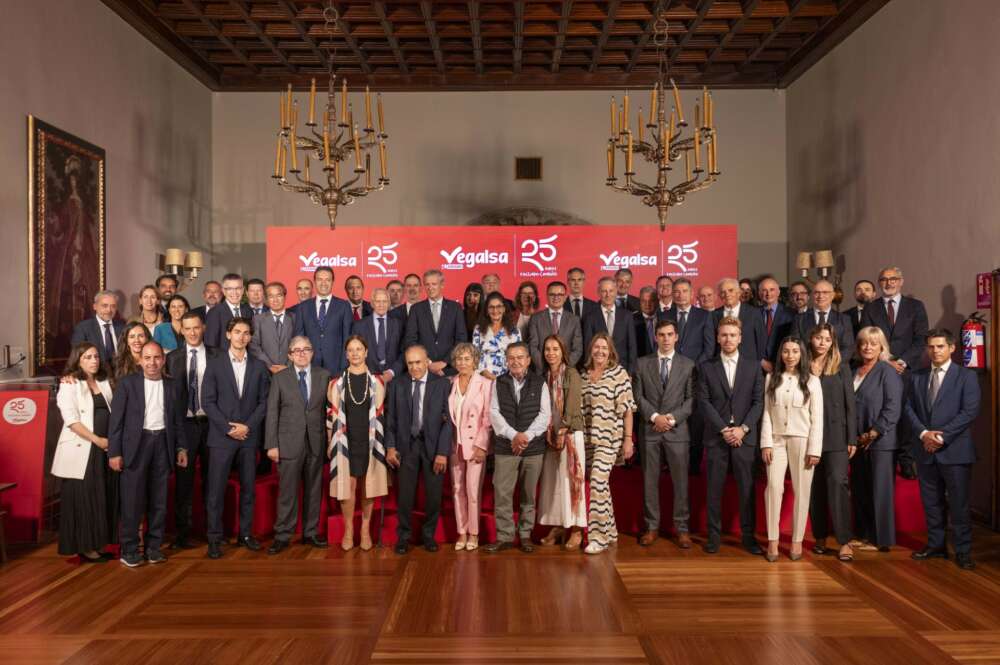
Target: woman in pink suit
[{"x": 469, "y": 406}]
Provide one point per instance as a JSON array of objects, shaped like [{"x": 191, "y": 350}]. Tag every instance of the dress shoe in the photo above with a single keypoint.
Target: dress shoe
[
  {"x": 319, "y": 542},
  {"x": 499, "y": 546},
  {"x": 593, "y": 547},
  {"x": 402, "y": 547},
  {"x": 277, "y": 546},
  {"x": 771, "y": 558},
  {"x": 460, "y": 543},
  {"x": 928, "y": 553},
  {"x": 684, "y": 540},
  {"x": 431, "y": 546},
  {"x": 155, "y": 556},
  {"x": 181, "y": 543},
  {"x": 214, "y": 551},
  {"x": 527, "y": 546},
  {"x": 752, "y": 547},
  {"x": 648, "y": 538},
  {"x": 132, "y": 560},
  {"x": 964, "y": 561},
  {"x": 908, "y": 470},
  {"x": 711, "y": 547},
  {"x": 248, "y": 542},
  {"x": 472, "y": 544}
]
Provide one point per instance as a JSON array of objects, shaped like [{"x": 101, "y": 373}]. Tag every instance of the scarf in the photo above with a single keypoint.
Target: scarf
[
  {"x": 573, "y": 465},
  {"x": 376, "y": 481}
]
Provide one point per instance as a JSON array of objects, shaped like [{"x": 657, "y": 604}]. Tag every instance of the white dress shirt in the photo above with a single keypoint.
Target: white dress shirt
[
  {"x": 537, "y": 427},
  {"x": 944, "y": 372},
  {"x": 329, "y": 301},
  {"x": 100, "y": 327},
  {"x": 733, "y": 311},
  {"x": 816, "y": 313},
  {"x": 202, "y": 358},
  {"x": 239, "y": 370},
  {"x": 153, "y": 418},
  {"x": 729, "y": 364}
]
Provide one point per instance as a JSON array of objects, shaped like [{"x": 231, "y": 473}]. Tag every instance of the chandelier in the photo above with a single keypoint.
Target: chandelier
[
  {"x": 665, "y": 145},
  {"x": 334, "y": 148}
]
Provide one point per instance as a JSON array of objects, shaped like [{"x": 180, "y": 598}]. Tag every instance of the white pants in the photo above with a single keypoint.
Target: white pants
[{"x": 790, "y": 454}]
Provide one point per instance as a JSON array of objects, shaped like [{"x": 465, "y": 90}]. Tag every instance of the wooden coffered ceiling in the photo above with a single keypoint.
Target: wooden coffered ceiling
[{"x": 491, "y": 45}]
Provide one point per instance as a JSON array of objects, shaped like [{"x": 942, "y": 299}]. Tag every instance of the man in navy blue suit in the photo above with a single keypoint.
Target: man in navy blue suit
[
  {"x": 942, "y": 403},
  {"x": 103, "y": 329},
  {"x": 418, "y": 433},
  {"x": 234, "y": 397},
  {"x": 778, "y": 320},
  {"x": 231, "y": 307},
  {"x": 754, "y": 337},
  {"x": 695, "y": 329},
  {"x": 384, "y": 335},
  {"x": 822, "y": 311},
  {"x": 145, "y": 436},
  {"x": 326, "y": 321},
  {"x": 354, "y": 289},
  {"x": 577, "y": 303},
  {"x": 436, "y": 324},
  {"x": 622, "y": 324}
]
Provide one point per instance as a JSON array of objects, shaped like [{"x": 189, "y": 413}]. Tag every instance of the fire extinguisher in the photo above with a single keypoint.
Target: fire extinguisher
[{"x": 974, "y": 341}]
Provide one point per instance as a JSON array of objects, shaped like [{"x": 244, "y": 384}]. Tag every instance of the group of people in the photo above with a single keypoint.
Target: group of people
[{"x": 549, "y": 398}]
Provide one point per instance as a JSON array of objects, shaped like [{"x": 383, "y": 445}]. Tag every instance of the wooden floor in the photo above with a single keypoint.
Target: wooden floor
[{"x": 632, "y": 605}]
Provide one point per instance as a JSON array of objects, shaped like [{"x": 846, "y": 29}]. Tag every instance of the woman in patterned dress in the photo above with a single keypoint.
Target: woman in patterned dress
[
  {"x": 493, "y": 334},
  {"x": 607, "y": 415}
]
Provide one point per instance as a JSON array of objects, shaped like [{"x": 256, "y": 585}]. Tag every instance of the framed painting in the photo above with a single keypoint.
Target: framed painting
[{"x": 67, "y": 240}]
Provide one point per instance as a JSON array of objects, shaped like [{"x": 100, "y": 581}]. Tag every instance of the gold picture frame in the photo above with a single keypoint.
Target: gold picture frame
[{"x": 67, "y": 240}]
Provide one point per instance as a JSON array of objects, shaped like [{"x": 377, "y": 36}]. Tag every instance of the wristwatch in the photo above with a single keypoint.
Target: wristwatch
[{"x": 746, "y": 430}]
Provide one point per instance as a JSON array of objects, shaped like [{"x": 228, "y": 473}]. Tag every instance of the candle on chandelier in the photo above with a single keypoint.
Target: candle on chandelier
[
  {"x": 652, "y": 103},
  {"x": 625, "y": 112},
  {"x": 312, "y": 103},
  {"x": 284, "y": 171},
  {"x": 281, "y": 111},
  {"x": 704, "y": 102},
  {"x": 641, "y": 126},
  {"x": 288, "y": 112},
  {"x": 611, "y": 161},
  {"x": 628, "y": 156},
  {"x": 697, "y": 117},
  {"x": 673, "y": 126},
  {"x": 385, "y": 157},
  {"x": 368, "y": 108},
  {"x": 711, "y": 112},
  {"x": 292, "y": 143},
  {"x": 343, "y": 101},
  {"x": 357, "y": 150},
  {"x": 715, "y": 153},
  {"x": 664, "y": 144},
  {"x": 697, "y": 150},
  {"x": 614, "y": 119},
  {"x": 307, "y": 167},
  {"x": 677, "y": 103},
  {"x": 326, "y": 145},
  {"x": 368, "y": 171},
  {"x": 381, "y": 159},
  {"x": 277, "y": 158},
  {"x": 687, "y": 165},
  {"x": 381, "y": 119}
]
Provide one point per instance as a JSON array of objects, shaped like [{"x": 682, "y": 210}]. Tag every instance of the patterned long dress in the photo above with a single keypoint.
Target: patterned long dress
[{"x": 604, "y": 405}]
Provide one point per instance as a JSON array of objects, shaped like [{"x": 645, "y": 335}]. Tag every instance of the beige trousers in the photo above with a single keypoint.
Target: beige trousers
[{"x": 790, "y": 455}]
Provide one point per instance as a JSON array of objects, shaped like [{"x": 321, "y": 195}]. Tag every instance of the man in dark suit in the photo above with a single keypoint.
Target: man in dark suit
[
  {"x": 166, "y": 287},
  {"x": 622, "y": 323},
  {"x": 418, "y": 435},
  {"x": 623, "y": 284},
  {"x": 326, "y": 321},
  {"x": 778, "y": 320},
  {"x": 645, "y": 322},
  {"x": 186, "y": 365},
  {"x": 303, "y": 292},
  {"x": 578, "y": 304},
  {"x": 558, "y": 320},
  {"x": 103, "y": 329},
  {"x": 903, "y": 320},
  {"x": 491, "y": 283},
  {"x": 436, "y": 324},
  {"x": 256, "y": 296},
  {"x": 145, "y": 436},
  {"x": 664, "y": 391},
  {"x": 212, "y": 295},
  {"x": 942, "y": 404},
  {"x": 272, "y": 330},
  {"x": 864, "y": 293},
  {"x": 753, "y": 342},
  {"x": 218, "y": 318},
  {"x": 234, "y": 396},
  {"x": 694, "y": 324},
  {"x": 295, "y": 439},
  {"x": 412, "y": 285},
  {"x": 664, "y": 295},
  {"x": 384, "y": 335},
  {"x": 798, "y": 296},
  {"x": 731, "y": 399},
  {"x": 354, "y": 288},
  {"x": 822, "y": 312}
]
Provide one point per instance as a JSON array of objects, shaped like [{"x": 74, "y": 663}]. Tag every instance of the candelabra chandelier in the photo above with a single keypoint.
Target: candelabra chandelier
[
  {"x": 339, "y": 140},
  {"x": 665, "y": 144}
]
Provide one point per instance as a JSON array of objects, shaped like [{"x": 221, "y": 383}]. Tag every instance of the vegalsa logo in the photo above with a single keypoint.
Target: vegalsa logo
[
  {"x": 383, "y": 257},
  {"x": 615, "y": 261},
  {"x": 535, "y": 252},
  {"x": 684, "y": 257},
  {"x": 457, "y": 259},
  {"x": 314, "y": 260}
]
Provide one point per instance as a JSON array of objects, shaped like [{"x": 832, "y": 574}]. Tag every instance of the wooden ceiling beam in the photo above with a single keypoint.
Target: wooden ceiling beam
[
  {"x": 300, "y": 27},
  {"x": 352, "y": 43},
  {"x": 692, "y": 27},
  {"x": 609, "y": 23},
  {"x": 518, "y": 35},
  {"x": 794, "y": 6},
  {"x": 390, "y": 36},
  {"x": 647, "y": 33},
  {"x": 748, "y": 8},
  {"x": 427, "y": 9},
  {"x": 477, "y": 35},
  {"x": 208, "y": 23},
  {"x": 244, "y": 12},
  {"x": 567, "y": 10}
]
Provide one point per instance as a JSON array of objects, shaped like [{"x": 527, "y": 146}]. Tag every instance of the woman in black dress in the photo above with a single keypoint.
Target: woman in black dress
[{"x": 85, "y": 522}]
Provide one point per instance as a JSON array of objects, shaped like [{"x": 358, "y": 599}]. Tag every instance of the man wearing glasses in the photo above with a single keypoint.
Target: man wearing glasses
[
  {"x": 555, "y": 320},
  {"x": 295, "y": 439},
  {"x": 822, "y": 312},
  {"x": 231, "y": 307},
  {"x": 904, "y": 321}
]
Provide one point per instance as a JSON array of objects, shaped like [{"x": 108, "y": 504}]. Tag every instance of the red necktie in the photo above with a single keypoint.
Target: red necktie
[
  {"x": 357, "y": 312},
  {"x": 770, "y": 319},
  {"x": 890, "y": 306}
]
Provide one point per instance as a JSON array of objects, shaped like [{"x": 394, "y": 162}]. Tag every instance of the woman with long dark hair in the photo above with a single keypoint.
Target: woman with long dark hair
[
  {"x": 472, "y": 306},
  {"x": 791, "y": 439},
  {"x": 168, "y": 334},
  {"x": 525, "y": 304},
  {"x": 133, "y": 337},
  {"x": 494, "y": 332}
]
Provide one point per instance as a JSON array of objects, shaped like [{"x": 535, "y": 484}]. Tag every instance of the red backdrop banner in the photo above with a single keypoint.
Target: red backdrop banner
[
  {"x": 23, "y": 418},
  {"x": 464, "y": 254}
]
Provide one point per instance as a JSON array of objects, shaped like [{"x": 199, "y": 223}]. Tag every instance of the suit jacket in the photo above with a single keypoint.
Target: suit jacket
[
  {"x": 267, "y": 345},
  {"x": 855, "y": 315},
  {"x": 76, "y": 405},
  {"x": 435, "y": 425},
  {"x": 292, "y": 426},
  {"x": 631, "y": 302},
  {"x": 697, "y": 340},
  {"x": 217, "y": 319},
  {"x": 623, "y": 336},
  {"x": 128, "y": 411},
  {"x": 907, "y": 337},
  {"x": 880, "y": 405},
  {"x": 177, "y": 369},
  {"x": 202, "y": 311},
  {"x": 952, "y": 413},
  {"x": 540, "y": 327},
  {"x": 645, "y": 342},
  {"x": 754, "y": 341},
  {"x": 264, "y": 309},
  {"x": 781, "y": 327},
  {"x": 89, "y": 331},
  {"x": 366, "y": 309},
  {"x": 676, "y": 398},
  {"x": 473, "y": 430},
  {"x": 840, "y": 424},
  {"x": 720, "y": 406},
  {"x": 420, "y": 329},
  {"x": 588, "y": 306},
  {"x": 329, "y": 339},
  {"x": 223, "y": 404},
  {"x": 806, "y": 321},
  {"x": 399, "y": 311},
  {"x": 394, "y": 329}
]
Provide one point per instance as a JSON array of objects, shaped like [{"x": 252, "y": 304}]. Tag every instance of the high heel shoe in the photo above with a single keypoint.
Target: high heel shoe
[
  {"x": 556, "y": 536},
  {"x": 347, "y": 542},
  {"x": 574, "y": 540},
  {"x": 793, "y": 555},
  {"x": 366, "y": 540},
  {"x": 460, "y": 543},
  {"x": 472, "y": 543},
  {"x": 771, "y": 556}
]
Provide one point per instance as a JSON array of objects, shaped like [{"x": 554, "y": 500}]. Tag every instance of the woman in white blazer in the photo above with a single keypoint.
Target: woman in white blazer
[
  {"x": 791, "y": 437},
  {"x": 87, "y": 507}
]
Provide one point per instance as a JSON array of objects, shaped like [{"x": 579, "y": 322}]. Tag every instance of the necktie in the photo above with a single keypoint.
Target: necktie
[
  {"x": 436, "y": 314},
  {"x": 621, "y": 301},
  {"x": 193, "y": 383},
  {"x": 109, "y": 342},
  {"x": 682, "y": 323},
  {"x": 415, "y": 409},
  {"x": 650, "y": 333},
  {"x": 729, "y": 313},
  {"x": 380, "y": 351},
  {"x": 236, "y": 312},
  {"x": 822, "y": 318},
  {"x": 576, "y": 306},
  {"x": 303, "y": 388},
  {"x": 890, "y": 308},
  {"x": 935, "y": 385},
  {"x": 609, "y": 320},
  {"x": 357, "y": 312},
  {"x": 322, "y": 312},
  {"x": 770, "y": 319},
  {"x": 555, "y": 322},
  {"x": 277, "y": 325},
  {"x": 664, "y": 370}
]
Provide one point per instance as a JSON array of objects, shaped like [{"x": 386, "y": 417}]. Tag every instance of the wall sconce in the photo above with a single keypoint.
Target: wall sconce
[
  {"x": 802, "y": 263},
  {"x": 183, "y": 266}
]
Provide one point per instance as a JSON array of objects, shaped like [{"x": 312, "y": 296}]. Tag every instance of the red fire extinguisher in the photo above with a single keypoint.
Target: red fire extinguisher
[{"x": 974, "y": 341}]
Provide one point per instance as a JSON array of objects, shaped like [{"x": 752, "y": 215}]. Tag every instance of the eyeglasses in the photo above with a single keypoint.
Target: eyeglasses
[
  {"x": 305, "y": 350},
  {"x": 822, "y": 293},
  {"x": 232, "y": 288},
  {"x": 891, "y": 280},
  {"x": 558, "y": 294}
]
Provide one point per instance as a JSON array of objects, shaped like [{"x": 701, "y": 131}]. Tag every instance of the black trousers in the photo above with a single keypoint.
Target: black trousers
[
  {"x": 308, "y": 469},
  {"x": 196, "y": 431},
  {"x": 873, "y": 483},
  {"x": 720, "y": 456},
  {"x": 830, "y": 500},
  {"x": 944, "y": 491},
  {"x": 144, "y": 493},
  {"x": 414, "y": 464},
  {"x": 696, "y": 430},
  {"x": 220, "y": 461}
]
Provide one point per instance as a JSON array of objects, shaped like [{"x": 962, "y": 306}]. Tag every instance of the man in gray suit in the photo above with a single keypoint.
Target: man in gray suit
[
  {"x": 664, "y": 390},
  {"x": 554, "y": 319},
  {"x": 273, "y": 330},
  {"x": 295, "y": 438}
]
